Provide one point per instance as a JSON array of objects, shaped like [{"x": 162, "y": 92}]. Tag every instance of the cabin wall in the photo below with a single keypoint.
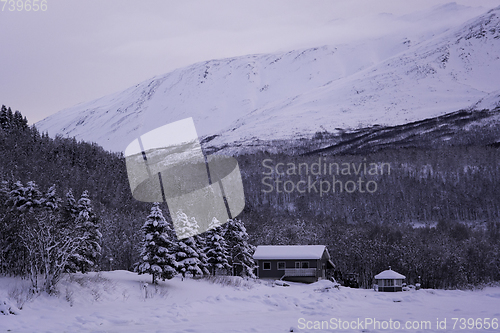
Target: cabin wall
[
  {"x": 276, "y": 273},
  {"x": 294, "y": 268}
]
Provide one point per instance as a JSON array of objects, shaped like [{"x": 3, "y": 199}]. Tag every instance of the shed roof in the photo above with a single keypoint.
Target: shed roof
[
  {"x": 290, "y": 252},
  {"x": 389, "y": 274}
]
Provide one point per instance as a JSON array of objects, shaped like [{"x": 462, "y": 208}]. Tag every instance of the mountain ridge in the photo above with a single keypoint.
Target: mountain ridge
[{"x": 387, "y": 81}]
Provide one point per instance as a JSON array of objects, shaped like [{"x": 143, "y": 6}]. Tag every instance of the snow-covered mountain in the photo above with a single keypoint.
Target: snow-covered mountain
[{"x": 386, "y": 81}]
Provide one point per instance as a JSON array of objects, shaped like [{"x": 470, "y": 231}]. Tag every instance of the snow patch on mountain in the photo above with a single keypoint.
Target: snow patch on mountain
[{"x": 490, "y": 102}]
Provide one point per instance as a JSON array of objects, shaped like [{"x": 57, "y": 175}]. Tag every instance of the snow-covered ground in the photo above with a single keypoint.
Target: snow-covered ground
[{"x": 120, "y": 301}]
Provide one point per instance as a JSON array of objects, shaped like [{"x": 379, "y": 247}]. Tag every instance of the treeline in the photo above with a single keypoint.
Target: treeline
[{"x": 457, "y": 183}]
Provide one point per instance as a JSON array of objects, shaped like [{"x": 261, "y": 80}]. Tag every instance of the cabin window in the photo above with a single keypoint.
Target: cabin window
[
  {"x": 305, "y": 264},
  {"x": 297, "y": 264},
  {"x": 281, "y": 265},
  {"x": 266, "y": 265}
]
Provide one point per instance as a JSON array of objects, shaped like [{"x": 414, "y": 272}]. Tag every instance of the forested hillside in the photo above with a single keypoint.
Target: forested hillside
[
  {"x": 436, "y": 214},
  {"x": 431, "y": 212},
  {"x": 30, "y": 156}
]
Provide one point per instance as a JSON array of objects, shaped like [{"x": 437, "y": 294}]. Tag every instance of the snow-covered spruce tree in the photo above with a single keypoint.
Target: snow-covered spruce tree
[
  {"x": 50, "y": 200},
  {"x": 216, "y": 224},
  {"x": 23, "y": 198},
  {"x": 87, "y": 230},
  {"x": 190, "y": 248},
  {"x": 202, "y": 256},
  {"x": 217, "y": 251},
  {"x": 69, "y": 215},
  {"x": 185, "y": 227},
  {"x": 157, "y": 255},
  {"x": 190, "y": 257},
  {"x": 69, "y": 209},
  {"x": 241, "y": 252}
]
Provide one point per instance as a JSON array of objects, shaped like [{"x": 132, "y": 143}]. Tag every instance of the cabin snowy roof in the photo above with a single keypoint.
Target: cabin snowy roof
[
  {"x": 389, "y": 274},
  {"x": 290, "y": 252}
]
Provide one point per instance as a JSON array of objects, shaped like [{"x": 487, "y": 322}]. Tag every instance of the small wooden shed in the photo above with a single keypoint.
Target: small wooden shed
[{"x": 389, "y": 280}]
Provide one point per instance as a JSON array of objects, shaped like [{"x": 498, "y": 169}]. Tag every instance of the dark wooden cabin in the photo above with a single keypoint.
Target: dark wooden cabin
[{"x": 297, "y": 263}]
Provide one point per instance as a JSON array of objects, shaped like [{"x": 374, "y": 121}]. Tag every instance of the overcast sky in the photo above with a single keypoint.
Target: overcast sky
[{"x": 77, "y": 51}]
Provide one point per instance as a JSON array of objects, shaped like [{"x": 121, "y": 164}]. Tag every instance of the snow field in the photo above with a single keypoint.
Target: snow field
[{"x": 122, "y": 301}]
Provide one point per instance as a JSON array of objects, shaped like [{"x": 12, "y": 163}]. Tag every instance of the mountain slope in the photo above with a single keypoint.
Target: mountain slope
[
  {"x": 388, "y": 81},
  {"x": 436, "y": 77}
]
